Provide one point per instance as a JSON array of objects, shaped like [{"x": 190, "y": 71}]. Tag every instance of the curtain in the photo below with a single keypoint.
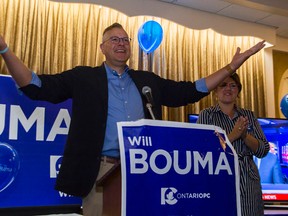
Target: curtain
[{"x": 51, "y": 37}]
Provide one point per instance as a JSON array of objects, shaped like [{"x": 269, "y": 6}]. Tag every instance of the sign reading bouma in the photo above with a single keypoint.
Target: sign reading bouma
[
  {"x": 171, "y": 168},
  {"x": 32, "y": 139}
]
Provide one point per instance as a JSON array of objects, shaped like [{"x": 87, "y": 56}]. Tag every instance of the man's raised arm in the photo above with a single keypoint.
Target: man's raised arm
[
  {"x": 20, "y": 72},
  {"x": 213, "y": 80}
]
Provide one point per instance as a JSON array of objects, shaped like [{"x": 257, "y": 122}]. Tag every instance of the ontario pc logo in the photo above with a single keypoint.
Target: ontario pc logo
[
  {"x": 167, "y": 196},
  {"x": 55, "y": 163}
]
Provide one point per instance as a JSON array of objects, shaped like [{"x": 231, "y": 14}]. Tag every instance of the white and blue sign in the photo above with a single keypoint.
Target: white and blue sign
[
  {"x": 171, "y": 168},
  {"x": 32, "y": 139}
]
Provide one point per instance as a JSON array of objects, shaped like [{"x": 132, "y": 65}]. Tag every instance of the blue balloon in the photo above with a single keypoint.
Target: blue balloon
[
  {"x": 9, "y": 165},
  {"x": 150, "y": 36},
  {"x": 284, "y": 105}
]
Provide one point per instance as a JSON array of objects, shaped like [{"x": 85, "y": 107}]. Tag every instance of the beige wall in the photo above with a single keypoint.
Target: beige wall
[
  {"x": 187, "y": 17},
  {"x": 202, "y": 20},
  {"x": 276, "y": 63}
]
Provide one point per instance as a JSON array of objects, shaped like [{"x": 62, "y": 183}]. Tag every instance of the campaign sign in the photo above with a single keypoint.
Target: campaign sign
[
  {"x": 32, "y": 139},
  {"x": 171, "y": 168}
]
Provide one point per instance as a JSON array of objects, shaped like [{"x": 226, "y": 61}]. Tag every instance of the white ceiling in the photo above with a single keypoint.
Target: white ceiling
[{"x": 273, "y": 13}]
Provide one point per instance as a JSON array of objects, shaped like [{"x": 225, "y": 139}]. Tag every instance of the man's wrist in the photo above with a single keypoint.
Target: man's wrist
[
  {"x": 229, "y": 70},
  {"x": 4, "y": 50}
]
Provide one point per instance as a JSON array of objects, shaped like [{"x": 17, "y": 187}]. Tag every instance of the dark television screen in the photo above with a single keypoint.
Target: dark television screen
[{"x": 276, "y": 132}]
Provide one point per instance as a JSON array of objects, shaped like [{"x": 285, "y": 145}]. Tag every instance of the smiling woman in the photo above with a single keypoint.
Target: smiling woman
[
  {"x": 233, "y": 83},
  {"x": 246, "y": 136}
]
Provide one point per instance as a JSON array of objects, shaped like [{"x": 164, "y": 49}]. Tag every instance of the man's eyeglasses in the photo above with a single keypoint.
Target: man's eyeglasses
[
  {"x": 230, "y": 85},
  {"x": 117, "y": 40}
]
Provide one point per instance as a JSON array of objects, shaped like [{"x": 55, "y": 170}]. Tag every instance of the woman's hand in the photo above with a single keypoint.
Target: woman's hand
[{"x": 240, "y": 129}]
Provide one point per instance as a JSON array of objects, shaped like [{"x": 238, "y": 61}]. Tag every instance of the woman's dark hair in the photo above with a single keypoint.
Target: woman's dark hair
[{"x": 236, "y": 79}]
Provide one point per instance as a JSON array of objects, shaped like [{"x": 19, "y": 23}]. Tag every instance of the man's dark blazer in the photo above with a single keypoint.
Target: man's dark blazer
[{"x": 88, "y": 88}]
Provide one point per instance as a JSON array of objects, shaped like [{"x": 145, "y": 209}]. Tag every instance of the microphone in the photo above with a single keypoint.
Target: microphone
[{"x": 147, "y": 92}]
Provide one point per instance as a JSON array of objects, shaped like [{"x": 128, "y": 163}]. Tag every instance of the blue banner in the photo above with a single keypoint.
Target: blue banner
[
  {"x": 32, "y": 139},
  {"x": 171, "y": 168}
]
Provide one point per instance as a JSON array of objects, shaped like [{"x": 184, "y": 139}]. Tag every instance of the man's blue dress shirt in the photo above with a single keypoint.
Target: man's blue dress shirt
[{"x": 124, "y": 104}]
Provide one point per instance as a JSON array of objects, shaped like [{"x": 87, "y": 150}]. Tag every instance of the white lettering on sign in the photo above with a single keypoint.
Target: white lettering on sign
[
  {"x": 140, "y": 162},
  {"x": 37, "y": 118}
]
